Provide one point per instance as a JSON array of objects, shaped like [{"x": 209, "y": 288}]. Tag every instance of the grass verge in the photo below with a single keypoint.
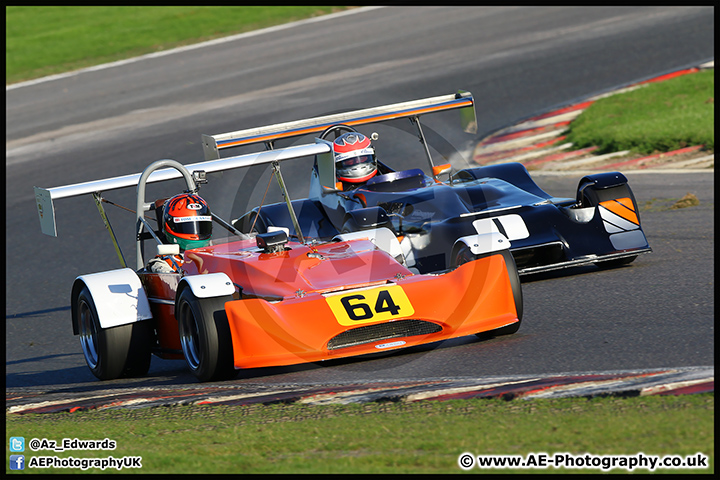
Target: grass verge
[
  {"x": 659, "y": 117},
  {"x": 46, "y": 40},
  {"x": 421, "y": 437}
]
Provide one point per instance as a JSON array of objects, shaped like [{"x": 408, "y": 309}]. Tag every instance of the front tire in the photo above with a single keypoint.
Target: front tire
[
  {"x": 514, "y": 278},
  {"x": 592, "y": 196},
  {"x": 205, "y": 336},
  {"x": 350, "y": 226},
  {"x": 110, "y": 353}
]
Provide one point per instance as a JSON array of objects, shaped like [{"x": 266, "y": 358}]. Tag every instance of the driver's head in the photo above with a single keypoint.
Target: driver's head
[
  {"x": 355, "y": 160},
  {"x": 187, "y": 221}
]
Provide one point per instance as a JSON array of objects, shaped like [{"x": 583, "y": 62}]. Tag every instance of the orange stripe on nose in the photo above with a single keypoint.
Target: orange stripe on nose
[
  {"x": 626, "y": 202},
  {"x": 623, "y": 207}
]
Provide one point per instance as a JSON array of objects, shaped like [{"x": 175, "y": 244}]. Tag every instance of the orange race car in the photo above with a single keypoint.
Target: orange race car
[{"x": 266, "y": 299}]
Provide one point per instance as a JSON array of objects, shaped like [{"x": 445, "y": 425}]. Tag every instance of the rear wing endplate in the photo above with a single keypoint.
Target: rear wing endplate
[{"x": 212, "y": 144}]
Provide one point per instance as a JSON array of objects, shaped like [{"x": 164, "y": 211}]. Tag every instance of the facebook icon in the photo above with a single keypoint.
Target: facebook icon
[{"x": 17, "y": 462}]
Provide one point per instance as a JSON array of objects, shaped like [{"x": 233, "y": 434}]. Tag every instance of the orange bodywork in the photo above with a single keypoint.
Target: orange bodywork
[
  {"x": 474, "y": 298},
  {"x": 312, "y": 303},
  {"x": 161, "y": 288},
  {"x": 624, "y": 208}
]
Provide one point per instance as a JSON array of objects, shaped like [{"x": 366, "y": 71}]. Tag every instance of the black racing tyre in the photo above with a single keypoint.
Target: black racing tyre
[
  {"x": 592, "y": 197},
  {"x": 122, "y": 351},
  {"x": 463, "y": 255},
  {"x": 517, "y": 295},
  {"x": 205, "y": 336},
  {"x": 349, "y": 226}
]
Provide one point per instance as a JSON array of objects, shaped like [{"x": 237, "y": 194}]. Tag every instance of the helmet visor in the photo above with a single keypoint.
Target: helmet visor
[
  {"x": 350, "y": 162},
  {"x": 200, "y": 225}
]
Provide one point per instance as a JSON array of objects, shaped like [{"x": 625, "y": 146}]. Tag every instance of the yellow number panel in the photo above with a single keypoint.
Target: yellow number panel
[{"x": 368, "y": 306}]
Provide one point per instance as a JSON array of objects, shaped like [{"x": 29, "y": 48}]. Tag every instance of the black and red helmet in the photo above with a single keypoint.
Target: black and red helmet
[
  {"x": 187, "y": 221},
  {"x": 355, "y": 160}
]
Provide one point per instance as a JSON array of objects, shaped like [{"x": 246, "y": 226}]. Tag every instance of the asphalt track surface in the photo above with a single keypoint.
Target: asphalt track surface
[{"x": 656, "y": 313}]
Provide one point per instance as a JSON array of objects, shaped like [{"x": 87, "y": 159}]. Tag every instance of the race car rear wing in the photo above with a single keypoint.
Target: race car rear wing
[
  {"x": 155, "y": 172},
  {"x": 212, "y": 144},
  {"x": 45, "y": 197}
]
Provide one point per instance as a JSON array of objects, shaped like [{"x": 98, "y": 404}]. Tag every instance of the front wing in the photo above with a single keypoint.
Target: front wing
[
  {"x": 414, "y": 310},
  {"x": 553, "y": 239}
]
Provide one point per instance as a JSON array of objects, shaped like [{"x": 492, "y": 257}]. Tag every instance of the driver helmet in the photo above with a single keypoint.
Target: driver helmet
[
  {"x": 187, "y": 221},
  {"x": 355, "y": 160}
]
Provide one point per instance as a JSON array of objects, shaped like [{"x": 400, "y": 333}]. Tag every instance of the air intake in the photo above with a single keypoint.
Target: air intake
[{"x": 382, "y": 331}]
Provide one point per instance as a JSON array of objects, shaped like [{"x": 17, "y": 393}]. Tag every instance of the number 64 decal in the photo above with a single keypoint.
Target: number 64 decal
[{"x": 368, "y": 306}]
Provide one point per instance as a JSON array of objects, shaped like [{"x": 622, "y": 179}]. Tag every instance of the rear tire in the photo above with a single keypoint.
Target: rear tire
[
  {"x": 205, "y": 336},
  {"x": 122, "y": 351}
]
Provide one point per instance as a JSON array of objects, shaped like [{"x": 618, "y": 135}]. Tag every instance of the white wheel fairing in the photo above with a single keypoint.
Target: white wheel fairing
[
  {"x": 119, "y": 297},
  {"x": 382, "y": 237},
  {"x": 209, "y": 285},
  {"x": 483, "y": 243},
  {"x": 115, "y": 352}
]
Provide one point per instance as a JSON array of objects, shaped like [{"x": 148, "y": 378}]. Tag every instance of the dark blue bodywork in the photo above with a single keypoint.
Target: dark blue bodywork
[{"x": 429, "y": 216}]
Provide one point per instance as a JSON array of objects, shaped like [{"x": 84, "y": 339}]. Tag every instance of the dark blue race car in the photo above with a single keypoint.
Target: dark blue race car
[{"x": 442, "y": 220}]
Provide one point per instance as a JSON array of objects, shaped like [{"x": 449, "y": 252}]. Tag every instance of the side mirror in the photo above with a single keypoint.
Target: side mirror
[
  {"x": 338, "y": 188},
  {"x": 438, "y": 170}
]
